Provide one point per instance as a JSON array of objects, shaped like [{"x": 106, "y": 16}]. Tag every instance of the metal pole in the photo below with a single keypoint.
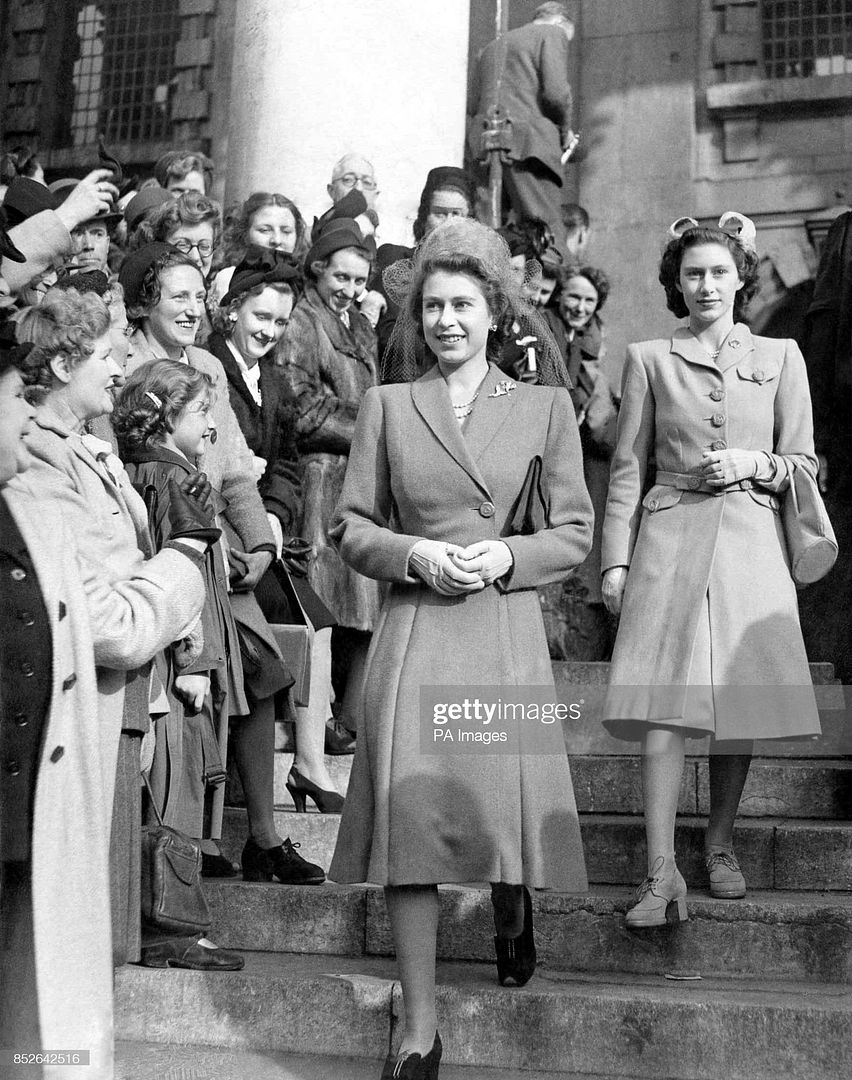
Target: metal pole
[{"x": 495, "y": 153}]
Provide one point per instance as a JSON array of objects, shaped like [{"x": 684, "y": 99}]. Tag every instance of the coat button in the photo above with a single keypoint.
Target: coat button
[
  {"x": 717, "y": 419},
  {"x": 695, "y": 482},
  {"x": 717, "y": 394},
  {"x": 13, "y": 767},
  {"x": 653, "y": 504},
  {"x": 21, "y": 719},
  {"x": 26, "y": 617},
  {"x": 486, "y": 509},
  {"x": 735, "y": 344},
  {"x": 57, "y": 754},
  {"x": 18, "y": 574},
  {"x": 718, "y": 444},
  {"x": 62, "y": 610},
  {"x": 69, "y": 682},
  {"x": 758, "y": 374},
  {"x": 27, "y": 670}
]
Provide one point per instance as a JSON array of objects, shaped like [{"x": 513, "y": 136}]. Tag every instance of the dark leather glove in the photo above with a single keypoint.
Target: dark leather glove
[
  {"x": 247, "y": 568},
  {"x": 190, "y": 510},
  {"x": 296, "y": 555}
]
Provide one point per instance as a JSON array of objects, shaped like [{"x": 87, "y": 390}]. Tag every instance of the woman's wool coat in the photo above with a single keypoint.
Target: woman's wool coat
[
  {"x": 115, "y": 614},
  {"x": 709, "y": 637},
  {"x": 330, "y": 367},
  {"x": 415, "y": 816},
  {"x": 269, "y": 430}
]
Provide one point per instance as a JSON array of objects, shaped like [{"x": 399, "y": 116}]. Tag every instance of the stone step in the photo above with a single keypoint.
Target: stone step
[
  {"x": 635, "y": 1026},
  {"x": 156, "y": 1061},
  {"x": 796, "y": 788},
  {"x": 775, "y": 853},
  {"x": 780, "y": 936}
]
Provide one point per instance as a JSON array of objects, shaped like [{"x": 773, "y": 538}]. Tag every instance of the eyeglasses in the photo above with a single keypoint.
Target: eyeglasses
[
  {"x": 350, "y": 179},
  {"x": 184, "y": 246}
]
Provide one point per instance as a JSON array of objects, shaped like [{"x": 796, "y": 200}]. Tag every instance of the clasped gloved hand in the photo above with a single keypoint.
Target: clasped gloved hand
[
  {"x": 191, "y": 514},
  {"x": 296, "y": 555}
]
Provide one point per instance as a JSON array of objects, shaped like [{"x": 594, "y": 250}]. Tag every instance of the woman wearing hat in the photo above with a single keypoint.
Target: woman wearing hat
[
  {"x": 248, "y": 326},
  {"x": 164, "y": 293},
  {"x": 329, "y": 352}
]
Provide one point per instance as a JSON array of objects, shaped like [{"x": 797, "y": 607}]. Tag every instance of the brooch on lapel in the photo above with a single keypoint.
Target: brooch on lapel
[{"x": 505, "y": 386}]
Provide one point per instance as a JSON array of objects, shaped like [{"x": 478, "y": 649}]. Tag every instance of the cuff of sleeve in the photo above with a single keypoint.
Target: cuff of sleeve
[{"x": 264, "y": 547}]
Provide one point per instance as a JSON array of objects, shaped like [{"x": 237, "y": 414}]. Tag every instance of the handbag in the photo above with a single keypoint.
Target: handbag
[
  {"x": 172, "y": 896},
  {"x": 811, "y": 543},
  {"x": 530, "y": 514},
  {"x": 294, "y": 638}
]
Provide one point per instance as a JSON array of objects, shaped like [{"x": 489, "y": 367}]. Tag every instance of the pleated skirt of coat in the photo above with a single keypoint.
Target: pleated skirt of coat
[{"x": 413, "y": 817}]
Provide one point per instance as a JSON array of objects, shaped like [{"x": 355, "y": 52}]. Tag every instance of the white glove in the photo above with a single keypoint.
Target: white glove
[
  {"x": 277, "y": 533},
  {"x": 491, "y": 559},
  {"x": 723, "y": 467},
  {"x": 259, "y": 466},
  {"x": 432, "y": 562}
]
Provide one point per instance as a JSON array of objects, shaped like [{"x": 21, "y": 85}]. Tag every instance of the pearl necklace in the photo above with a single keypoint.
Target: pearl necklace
[
  {"x": 465, "y": 408},
  {"x": 712, "y": 353}
]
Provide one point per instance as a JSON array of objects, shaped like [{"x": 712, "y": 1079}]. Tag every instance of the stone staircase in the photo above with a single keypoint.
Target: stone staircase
[{"x": 745, "y": 990}]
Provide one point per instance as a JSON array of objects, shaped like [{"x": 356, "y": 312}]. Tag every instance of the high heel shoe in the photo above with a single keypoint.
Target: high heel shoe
[
  {"x": 516, "y": 957},
  {"x": 328, "y": 802},
  {"x": 659, "y": 900},
  {"x": 283, "y": 862},
  {"x": 414, "y": 1066}
]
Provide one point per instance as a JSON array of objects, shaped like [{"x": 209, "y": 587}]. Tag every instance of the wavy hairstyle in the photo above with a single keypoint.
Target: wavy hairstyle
[
  {"x": 235, "y": 242},
  {"x": 221, "y": 317},
  {"x": 149, "y": 292},
  {"x": 176, "y": 164},
  {"x": 596, "y": 278},
  {"x": 190, "y": 208},
  {"x": 138, "y": 420},
  {"x": 745, "y": 260},
  {"x": 66, "y": 323}
]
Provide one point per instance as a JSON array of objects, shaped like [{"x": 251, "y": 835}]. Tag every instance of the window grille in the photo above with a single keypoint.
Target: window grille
[
  {"x": 123, "y": 70},
  {"x": 803, "y": 38}
]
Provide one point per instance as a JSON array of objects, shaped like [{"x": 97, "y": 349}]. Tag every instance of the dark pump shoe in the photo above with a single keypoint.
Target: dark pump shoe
[
  {"x": 299, "y": 786},
  {"x": 282, "y": 862},
  {"x": 414, "y": 1066},
  {"x": 216, "y": 866},
  {"x": 201, "y": 955},
  {"x": 338, "y": 741},
  {"x": 516, "y": 957}
]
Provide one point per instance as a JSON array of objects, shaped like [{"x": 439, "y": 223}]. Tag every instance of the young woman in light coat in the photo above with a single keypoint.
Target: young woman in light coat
[{"x": 695, "y": 561}]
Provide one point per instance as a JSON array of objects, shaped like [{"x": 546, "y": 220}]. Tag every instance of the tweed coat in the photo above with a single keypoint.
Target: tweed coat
[
  {"x": 116, "y": 619},
  {"x": 534, "y": 92},
  {"x": 709, "y": 637},
  {"x": 412, "y": 817},
  {"x": 228, "y": 461},
  {"x": 329, "y": 368},
  {"x": 269, "y": 430}
]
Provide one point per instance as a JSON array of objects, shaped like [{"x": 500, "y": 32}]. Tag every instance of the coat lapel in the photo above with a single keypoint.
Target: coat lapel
[
  {"x": 432, "y": 400},
  {"x": 686, "y": 345},
  {"x": 218, "y": 346},
  {"x": 491, "y": 411},
  {"x": 736, "y": 347}
]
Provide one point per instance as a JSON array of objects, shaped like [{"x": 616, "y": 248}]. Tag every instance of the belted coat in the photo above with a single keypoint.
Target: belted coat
[
  {"x": 709, "y": 637},
  {"x": 413, "y": 816}
]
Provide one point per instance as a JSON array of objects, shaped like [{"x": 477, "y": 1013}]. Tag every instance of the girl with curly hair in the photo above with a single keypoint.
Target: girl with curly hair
[{"x": 694, "y": 556}]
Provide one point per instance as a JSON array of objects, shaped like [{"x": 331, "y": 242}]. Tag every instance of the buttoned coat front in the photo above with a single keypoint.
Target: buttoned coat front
[
  {"x": 418, "y": 817},
  {"x": 117, "y": 620},
  {"x": 709, "y": 636}
]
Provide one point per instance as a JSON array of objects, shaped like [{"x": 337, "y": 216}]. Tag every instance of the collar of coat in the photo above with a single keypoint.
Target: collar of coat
[
  {"x": 736, "y": 347},
  {"x": 431, "y": 399},
  {"x": 160, "y": 453},
  {"x": 355, "y": 340}
]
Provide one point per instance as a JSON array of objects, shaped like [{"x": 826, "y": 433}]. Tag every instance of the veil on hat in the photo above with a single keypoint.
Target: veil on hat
[{"x": 452, "y": 246}]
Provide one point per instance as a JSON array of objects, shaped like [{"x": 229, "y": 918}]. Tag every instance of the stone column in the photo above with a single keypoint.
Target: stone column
[{"x": 315, "y": 79}]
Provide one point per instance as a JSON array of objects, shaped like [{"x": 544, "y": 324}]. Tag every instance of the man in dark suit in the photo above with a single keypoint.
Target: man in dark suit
[{"x": 526, "y": 72}]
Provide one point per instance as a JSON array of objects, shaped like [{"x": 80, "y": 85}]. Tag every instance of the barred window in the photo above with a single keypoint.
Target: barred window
[
  {"x": 123, "y": 70},
  {"x": 803, "y": 38}
]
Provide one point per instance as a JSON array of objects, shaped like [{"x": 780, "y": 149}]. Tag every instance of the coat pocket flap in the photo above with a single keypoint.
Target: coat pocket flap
[
  {"x": 661, "y": 497},
  {"x": 758, "y": 371},
  {"x": 765, "y": 498}
]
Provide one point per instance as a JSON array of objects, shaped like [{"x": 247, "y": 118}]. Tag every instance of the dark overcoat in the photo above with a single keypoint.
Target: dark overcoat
[
  {"x": 534, "y": 91},
  {"x": 269, "y": 430},
  {"x": 329, "y": 367},
  {"x": 414, "y": 817},
  {"x": 709, "y": 637}
]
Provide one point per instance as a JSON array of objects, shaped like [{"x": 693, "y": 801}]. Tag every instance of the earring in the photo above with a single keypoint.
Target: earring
[
  {"x": 232, "y": 317},
  {"x": 493, "y": 326}
]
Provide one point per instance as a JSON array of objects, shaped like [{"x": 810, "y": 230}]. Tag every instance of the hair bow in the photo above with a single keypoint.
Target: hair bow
[{"x": 737, "y": 226}]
